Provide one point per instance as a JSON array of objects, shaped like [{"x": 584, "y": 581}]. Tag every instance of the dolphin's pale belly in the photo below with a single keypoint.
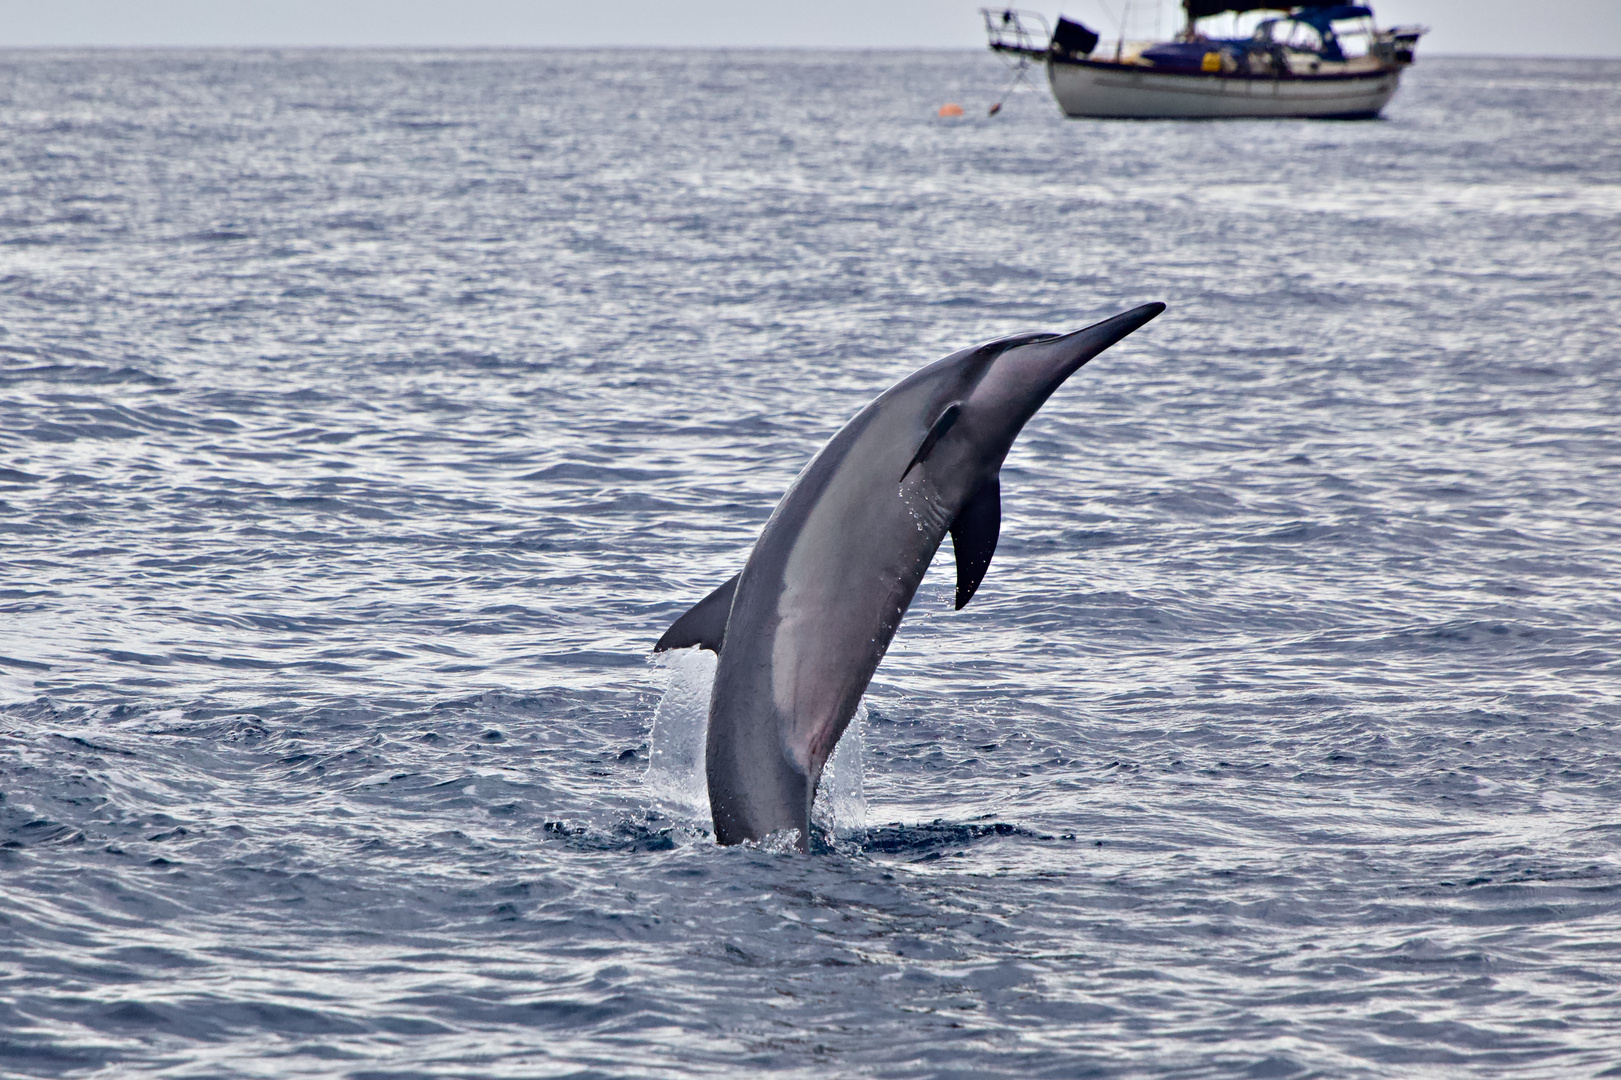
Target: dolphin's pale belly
[{"x": 849, "y": 579}]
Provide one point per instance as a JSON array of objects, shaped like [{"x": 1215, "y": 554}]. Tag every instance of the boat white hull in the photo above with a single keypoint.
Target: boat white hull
[{"x": 1091, "y": 89}]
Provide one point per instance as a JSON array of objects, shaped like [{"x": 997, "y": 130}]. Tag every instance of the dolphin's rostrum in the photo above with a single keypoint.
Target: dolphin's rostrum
[{"x": 802, "y": 628}]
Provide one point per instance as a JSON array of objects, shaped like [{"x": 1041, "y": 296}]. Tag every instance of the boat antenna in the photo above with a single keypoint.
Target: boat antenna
[{"x": 1108, "y": 13}]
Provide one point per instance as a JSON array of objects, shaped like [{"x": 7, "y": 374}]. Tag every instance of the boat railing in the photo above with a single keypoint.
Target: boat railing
[
  {"x": 1395, "y": 45},
  {"x": 1013, "y": 31}
]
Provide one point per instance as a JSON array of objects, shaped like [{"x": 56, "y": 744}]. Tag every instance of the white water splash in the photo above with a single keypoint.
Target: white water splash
[
  {"x": 841, "y": 798},
  {"x": 675, "y": 771}
]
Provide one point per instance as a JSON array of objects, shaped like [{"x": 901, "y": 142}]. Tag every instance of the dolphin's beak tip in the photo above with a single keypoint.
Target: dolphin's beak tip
[
  {"x": 1128, "y": 322},
  {"x": 1144, "y": 313},
  {"x": 1101, "y": 335}
]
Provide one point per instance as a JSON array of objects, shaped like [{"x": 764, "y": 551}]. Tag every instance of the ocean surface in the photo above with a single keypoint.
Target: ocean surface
[{"x": 366, "y": 417}]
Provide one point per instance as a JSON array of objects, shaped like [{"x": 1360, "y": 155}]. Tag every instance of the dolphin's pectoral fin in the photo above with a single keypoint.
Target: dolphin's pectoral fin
[
  {"x": 973, "y": 537},
  {"x": 936, "y": 430},
  {"x": 704, "y": 624}
]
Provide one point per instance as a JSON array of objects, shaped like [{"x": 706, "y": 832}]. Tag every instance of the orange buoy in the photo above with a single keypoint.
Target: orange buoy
[{"x": 948, "y": 109}]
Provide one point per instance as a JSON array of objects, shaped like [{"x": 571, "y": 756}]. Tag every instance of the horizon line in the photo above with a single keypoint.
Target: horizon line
[{"x": 467, "y": 47}]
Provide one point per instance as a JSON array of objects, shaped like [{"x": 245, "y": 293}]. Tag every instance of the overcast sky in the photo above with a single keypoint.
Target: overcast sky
[{"x": 1489, "y": 27}]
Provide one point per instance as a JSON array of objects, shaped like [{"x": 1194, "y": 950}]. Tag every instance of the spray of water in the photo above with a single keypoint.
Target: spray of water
[{"x": 675, "y": 771}]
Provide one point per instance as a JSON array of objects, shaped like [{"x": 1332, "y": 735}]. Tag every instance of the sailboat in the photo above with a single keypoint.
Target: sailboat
[{"x": 1320, "y": 60}]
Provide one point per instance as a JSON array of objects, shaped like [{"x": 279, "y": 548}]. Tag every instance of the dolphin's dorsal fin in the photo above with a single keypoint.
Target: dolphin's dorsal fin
[
  {"x": 704, "y": 624},
  {"x": 941, "y": 425},
  {"x": 973, "y": 537}
]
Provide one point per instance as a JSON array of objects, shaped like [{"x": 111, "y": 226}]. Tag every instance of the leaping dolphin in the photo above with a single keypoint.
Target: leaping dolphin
[{"x": 801, "y": 629}]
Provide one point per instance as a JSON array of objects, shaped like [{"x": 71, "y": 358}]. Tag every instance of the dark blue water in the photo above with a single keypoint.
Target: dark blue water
[{"x": 365, "y": 417}]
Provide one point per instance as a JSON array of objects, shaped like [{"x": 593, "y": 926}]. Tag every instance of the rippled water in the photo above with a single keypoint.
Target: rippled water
[{"x": 365, "y": 417}]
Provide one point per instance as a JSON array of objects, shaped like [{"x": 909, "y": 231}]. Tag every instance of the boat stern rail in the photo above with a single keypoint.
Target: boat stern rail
[{"x": 1022, "y": 33}]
